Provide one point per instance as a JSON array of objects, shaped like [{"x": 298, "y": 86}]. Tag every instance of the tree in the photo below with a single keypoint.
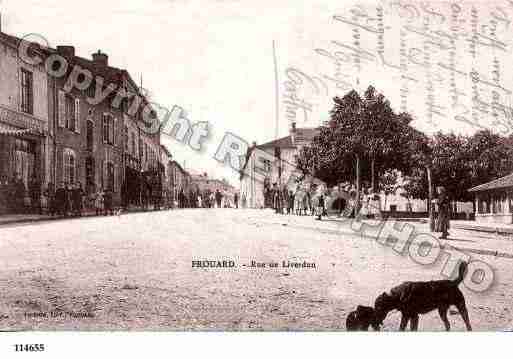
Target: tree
[{"x": 363, "y": 140}]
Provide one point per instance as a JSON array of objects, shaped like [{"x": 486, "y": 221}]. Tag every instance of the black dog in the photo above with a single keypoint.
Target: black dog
[
  {"x": 361, "y": 319},
  {"x": 414, "y": 298}
]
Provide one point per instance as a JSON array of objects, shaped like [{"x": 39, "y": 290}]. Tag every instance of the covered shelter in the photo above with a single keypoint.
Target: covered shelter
[{"x": 494, "y": 201}]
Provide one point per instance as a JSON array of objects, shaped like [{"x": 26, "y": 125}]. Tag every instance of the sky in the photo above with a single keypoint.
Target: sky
[{"x": 215, "y": 59}]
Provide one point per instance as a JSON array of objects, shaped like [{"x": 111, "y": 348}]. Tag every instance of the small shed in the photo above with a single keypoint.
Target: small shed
[{"x": 494, "y": 201}]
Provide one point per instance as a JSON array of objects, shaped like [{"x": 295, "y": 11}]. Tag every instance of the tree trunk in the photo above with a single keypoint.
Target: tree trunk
[{"x": 430, "y": 199}]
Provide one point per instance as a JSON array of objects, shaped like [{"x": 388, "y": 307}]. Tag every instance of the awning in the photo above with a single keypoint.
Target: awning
[{"x": 9, "y": 130}]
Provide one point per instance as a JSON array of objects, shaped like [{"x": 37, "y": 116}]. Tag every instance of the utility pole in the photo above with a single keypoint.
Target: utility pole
[{"x": 276, "y": 93}]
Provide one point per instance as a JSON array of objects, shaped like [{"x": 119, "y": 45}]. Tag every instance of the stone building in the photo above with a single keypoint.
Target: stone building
[
  {"x": 180, "y": 179},
  {"x": 272, "y": 163},
  {"x": 100, "y": 144},
  {"x": 204, "y": 183},
  {"x": 494, "y": 201},
  {"x": 25, "y": 121}
]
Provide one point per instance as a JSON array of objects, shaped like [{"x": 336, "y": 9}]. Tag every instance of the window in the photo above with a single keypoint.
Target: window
[
  {"x": 134, "y": 152},
  {"x": 110, "y": 176},
  {"x": 27, "y": 99},
  {"x": 90, "y": 135},
  {"x": 125, "y": 138},
  {"x": 91, "y": 89},
  {"x": 70, "y": 113},
  {"x": 141, "y": 149},
  {"x": 69, "y": 166},
  {"x": 108, "y": 129},
  {"x": 89, "y": 167}
]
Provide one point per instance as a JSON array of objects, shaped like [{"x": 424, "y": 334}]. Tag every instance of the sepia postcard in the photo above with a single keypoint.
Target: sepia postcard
[{"x": 244, "y": 166}]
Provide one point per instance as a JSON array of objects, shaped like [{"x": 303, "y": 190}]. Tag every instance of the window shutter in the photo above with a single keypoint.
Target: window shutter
[
  {"x": 64, "y": 167},
  {"x": 105, "y": 178},
  {"x": 114, "y": 126},
  {"x": 114, "y": 180},
  {"x": 20, "y": 84},
  {"x": 110, "y": 133},
  {"x": 61, "y": 108},
  {"x": 77, "y": 115}
]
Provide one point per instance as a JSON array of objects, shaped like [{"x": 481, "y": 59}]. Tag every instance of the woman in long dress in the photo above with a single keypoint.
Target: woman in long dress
[{"x": 98, "y": 201}]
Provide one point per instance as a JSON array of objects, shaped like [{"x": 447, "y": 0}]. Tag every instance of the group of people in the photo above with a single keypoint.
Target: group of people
[
  {"x": 70, "y": 199},
  {"x": 299, "y": 202},
  {"x": 206, "y": 199}
]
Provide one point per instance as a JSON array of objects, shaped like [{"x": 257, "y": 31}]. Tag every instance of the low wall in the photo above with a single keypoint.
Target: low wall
[{"x": 495, "y": 218}]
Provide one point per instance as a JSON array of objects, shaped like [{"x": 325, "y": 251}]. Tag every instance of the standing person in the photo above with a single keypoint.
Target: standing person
[
  {"x": 218, "y": 196},
  {"x": 212, "y": 200},
  {"x": 107, "y": 202},
  {"x": 35, "y": 194},
  {"x": 320, "y": 207},
  {"x": 276, "y": 198},
  {"x": 290, "y": 204},
  {"x": 192, "y": 199},
  {"x": 3, "y": 195},
  {"x": 236, "y": 200},
  {"x": 444, "y": 211},
  {"x": 309, "y": 203},
  {"x": 60, "y": 200},
  {"x": 304, "y": 203},
  {"x": 244, "y": 200},
  {"x": 79, "y": 199},
  {"x": 50, "y": 199},
  {"x": 285, "y": 199},
  {"x": 19, "y": 193},
  {"x": 298, "y": 202},
  {"x": 68, "y": 205},
  {"x": 98, "y": 201}
]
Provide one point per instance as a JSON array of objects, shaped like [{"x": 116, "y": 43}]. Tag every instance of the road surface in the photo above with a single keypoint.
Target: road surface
[{"x": 135, "y": 272}]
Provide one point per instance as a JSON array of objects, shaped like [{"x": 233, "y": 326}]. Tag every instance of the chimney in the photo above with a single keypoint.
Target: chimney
[
  {"x": 101, "y": 59},
  {"x": 66, "y": 50}
]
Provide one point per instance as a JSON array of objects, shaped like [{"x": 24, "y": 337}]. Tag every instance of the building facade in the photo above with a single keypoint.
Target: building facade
[
  {"x": 56, "y": 133},
  {"x": 25, "y": 131},
  {"x": 102, "y": 145},
  {"x": 493, "y": 201},
  {"x": 272, "y": 163},
  {"x": 180, "y": 179}
]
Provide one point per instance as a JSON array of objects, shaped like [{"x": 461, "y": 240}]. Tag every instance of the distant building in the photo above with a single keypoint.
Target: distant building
[
  {"x": 283, "y": 151},
  {"x": 166, "y": 159},
  {"x": 179, "y": 178},
  {"x": 204, "y": 183}
]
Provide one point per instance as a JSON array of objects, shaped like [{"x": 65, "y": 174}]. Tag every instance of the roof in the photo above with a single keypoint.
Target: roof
[
  {"x": 284, "y": 142},
  {"x": 302, "y": 135},
  {"x": 178, "y": 166},
  {"x": 109, "y": 73},
  {"x": 166, "y": 151},
  {"x": 503, "y": 182}
]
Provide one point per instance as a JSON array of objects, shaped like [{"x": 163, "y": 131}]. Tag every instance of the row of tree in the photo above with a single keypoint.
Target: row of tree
[{"x": 365, "y": 141}]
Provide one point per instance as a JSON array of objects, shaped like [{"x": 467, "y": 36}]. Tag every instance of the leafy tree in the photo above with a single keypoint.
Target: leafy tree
[{"x": 363, "y": 140}]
